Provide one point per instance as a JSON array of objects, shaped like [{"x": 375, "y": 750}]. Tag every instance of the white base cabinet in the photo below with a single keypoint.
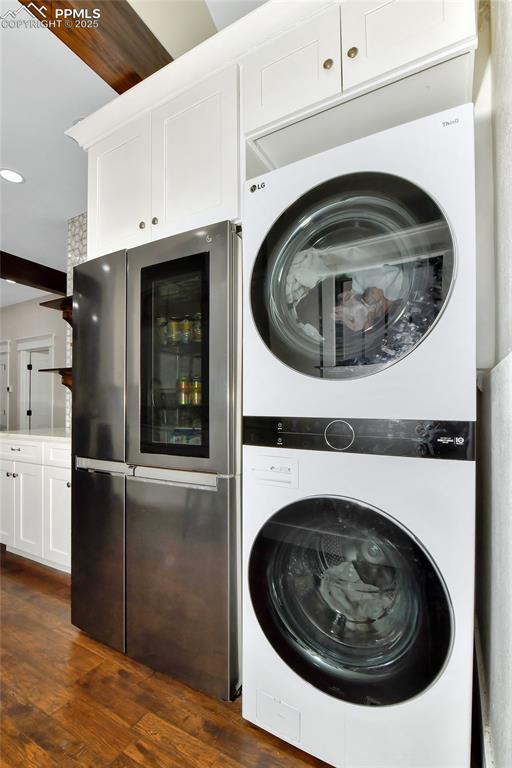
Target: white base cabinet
[
  {"x": 28, "y": 509},
  {"x": 6, "y": 502},
  {"x": 56, "y": 515},
  {"x": 35, "y": 500}
]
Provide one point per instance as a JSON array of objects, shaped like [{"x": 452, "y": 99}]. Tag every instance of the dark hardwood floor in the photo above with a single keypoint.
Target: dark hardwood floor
[{"x": 70, "y": 701}]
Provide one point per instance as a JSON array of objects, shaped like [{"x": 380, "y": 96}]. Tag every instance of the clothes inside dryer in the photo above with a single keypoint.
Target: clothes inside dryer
[
  {"x": 352, "y": 276},
  {"x": 350, "y": 601}
]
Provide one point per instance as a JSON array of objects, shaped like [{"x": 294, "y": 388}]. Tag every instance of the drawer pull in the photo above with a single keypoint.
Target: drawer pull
[
  {"x": 68, "y": 484},
  {"x": 8, "y": 474},
  {"x": 15, "y": 449},
  {"x": 15, "y": 474}
]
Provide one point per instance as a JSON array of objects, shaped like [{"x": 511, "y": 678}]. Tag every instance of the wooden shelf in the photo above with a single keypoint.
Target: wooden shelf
[
  {"x": 66, "y": 375},
  {"x": 63, "y": 304}
]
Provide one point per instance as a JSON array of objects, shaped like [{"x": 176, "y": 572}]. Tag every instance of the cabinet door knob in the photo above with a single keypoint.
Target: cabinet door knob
[
  {"x": 328, "y": 64},
  {"x": 142, "y": 225},
  {"x": 68, "y": 484},
  {"x": 352, "y": 52},
  {"x": 15, "y": 474},
  {"x": 154, "y": 220},
  {"x": 8, "y": 474}
]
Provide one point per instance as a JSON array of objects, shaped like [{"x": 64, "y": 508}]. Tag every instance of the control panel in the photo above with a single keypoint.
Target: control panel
[{"x": 382, "y": 437}]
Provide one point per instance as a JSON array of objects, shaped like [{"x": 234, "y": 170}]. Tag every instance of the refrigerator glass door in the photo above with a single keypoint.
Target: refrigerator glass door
[
  {"x": 181, "y": 330},
  {"x": 174, "y": 356}
]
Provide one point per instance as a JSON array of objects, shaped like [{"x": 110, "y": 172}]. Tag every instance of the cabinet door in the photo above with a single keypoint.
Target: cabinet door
[
  {"x": 6, "y": 502},
  {"x": 379, "y": 37},
  {"x": 119, "y": 202},
  {"x": 292, "y": 72},
  {"x": 28, "y": 508},
  {"x": 57, "y": 515},
  {"x": 195, "y": 149}
]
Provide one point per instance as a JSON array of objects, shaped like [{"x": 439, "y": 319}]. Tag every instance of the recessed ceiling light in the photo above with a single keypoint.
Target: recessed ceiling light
[{"x": 8, "y": 175}]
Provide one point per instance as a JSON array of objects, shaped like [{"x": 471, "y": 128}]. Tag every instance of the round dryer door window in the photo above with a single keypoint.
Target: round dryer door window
[
  {"x": 350, "y": 601},
  {"x": 353, "y": 276}
]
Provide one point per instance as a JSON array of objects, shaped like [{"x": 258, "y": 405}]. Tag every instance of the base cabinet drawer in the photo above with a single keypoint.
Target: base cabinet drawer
[
  {"x": 22, "y": 450},
  {"x": 28, "y": 511},
  {"x": 57, "y": 454},
  {"x": 57, "y": 515}
]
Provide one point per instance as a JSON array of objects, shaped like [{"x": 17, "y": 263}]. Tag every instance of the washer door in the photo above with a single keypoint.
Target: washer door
[
  {"x": 352, "y": 276},
  {"x": 350, "y": 601}
]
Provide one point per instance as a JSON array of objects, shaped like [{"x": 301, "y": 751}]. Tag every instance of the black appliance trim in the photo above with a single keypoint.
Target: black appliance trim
[{"x": 427, "y": 438}]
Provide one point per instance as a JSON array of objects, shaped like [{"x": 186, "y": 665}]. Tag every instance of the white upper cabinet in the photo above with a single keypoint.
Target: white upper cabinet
[
  {"x": 119, "y": 197},
  {"x": 379, "y": 36},
  {"x": 293, "y": 71},
  {"x": 195, "y": 148}
]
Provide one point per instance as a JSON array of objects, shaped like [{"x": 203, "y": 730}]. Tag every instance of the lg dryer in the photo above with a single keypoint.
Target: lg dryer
[
  {"x": 359, "y": 278},
  {"x": 358, "y": 594}
]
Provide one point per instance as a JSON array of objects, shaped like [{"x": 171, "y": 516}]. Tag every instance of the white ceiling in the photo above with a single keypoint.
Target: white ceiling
[
  {"x": 45, "y": 87},
  {"x": 225, "y": 12}
]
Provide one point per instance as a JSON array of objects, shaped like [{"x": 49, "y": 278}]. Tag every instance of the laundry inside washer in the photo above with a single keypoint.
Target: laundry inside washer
[
  {"x": 350, "y": 601},
  {"x": 353, "y": 275}
]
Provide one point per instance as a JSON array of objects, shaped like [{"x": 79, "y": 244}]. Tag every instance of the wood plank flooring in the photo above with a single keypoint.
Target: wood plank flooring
[{"x": 70, "y": 701}]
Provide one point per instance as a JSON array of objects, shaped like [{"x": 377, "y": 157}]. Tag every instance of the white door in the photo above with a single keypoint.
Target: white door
[
  {"x": 4, "y": 394},
  {"x": 28, "y": 505},
  {"x": 119, "y": 198},
  {"x": 6, "y": 502},
  {"x": 57, "y": 515},
  {"x": 195, "y": 157},
  {"x": 379, "y": 37},
  {"x": 292, "y": 72},
  {"x": 40, "y": 390}
]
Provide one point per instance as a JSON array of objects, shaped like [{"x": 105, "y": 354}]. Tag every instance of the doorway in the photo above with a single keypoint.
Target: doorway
[
  {"x": 35, "y": 387},
  {"x": 4, "y": 386}
]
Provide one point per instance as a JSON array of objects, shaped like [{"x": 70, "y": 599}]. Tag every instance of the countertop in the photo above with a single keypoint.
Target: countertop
[{"x": 49, "y": 433}]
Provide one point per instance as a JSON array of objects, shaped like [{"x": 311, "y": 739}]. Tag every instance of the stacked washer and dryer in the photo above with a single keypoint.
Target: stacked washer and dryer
[{"x": 359, "y": 416}]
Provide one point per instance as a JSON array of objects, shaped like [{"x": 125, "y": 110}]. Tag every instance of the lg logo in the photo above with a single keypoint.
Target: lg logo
[
  {"x": 255, "y": 187},
  {"x": 459, "y": 441}
]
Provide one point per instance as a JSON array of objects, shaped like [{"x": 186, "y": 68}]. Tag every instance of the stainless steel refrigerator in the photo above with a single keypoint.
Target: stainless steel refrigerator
[{"x": 156, "y": 455}]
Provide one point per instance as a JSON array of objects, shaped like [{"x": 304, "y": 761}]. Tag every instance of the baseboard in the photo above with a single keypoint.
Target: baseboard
[
  {"x": 40, "y": 560},
  {"x": 487, "y": 748}
]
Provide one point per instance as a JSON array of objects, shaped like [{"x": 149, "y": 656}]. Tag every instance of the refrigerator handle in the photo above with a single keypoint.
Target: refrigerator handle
[{"x": 195, "y": 486}]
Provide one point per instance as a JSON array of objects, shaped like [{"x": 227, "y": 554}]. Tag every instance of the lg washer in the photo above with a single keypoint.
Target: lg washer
[
  {"x": 358, "y": 563},
  {"x": 359, "y": 278}
]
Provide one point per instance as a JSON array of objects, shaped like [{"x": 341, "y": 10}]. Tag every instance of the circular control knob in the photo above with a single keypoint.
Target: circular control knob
[{"x": 339, "y": 435}]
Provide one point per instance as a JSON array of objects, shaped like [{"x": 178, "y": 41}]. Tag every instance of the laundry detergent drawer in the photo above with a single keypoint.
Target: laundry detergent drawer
[{"x": 21, "y": 450}]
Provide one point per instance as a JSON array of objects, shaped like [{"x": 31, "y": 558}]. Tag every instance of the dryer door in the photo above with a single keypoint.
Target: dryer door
[
  {"x": 350, "y": 601},
  {"x": 353, "y": 276}
]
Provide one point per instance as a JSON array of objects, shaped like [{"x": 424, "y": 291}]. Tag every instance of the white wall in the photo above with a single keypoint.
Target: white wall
[
  {"x": 26, "y": 320},
  {"x": 494, "y": 578}
]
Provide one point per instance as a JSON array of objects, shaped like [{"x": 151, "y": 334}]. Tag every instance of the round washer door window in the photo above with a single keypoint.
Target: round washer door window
[
  {"x": 350, "y": 601},
  {"x": 352, "y": 276}
]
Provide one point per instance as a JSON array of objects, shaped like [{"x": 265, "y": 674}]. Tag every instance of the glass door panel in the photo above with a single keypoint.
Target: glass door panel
[
  {"x": 174, "y": 402},
  {"x": 353, "y": 276}
]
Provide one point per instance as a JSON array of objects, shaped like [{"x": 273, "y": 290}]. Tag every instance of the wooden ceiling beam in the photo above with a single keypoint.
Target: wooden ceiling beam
[
  {"x": 121, "y": 49},
  {"x": 31, "y": 273}
]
